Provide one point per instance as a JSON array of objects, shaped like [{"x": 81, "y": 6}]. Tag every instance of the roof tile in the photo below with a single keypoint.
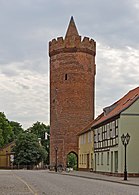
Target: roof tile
[{"x": 118, "y": 106}]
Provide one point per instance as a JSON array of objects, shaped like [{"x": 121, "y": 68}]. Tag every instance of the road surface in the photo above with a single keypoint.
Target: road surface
[{"x": 28, "y": 182}]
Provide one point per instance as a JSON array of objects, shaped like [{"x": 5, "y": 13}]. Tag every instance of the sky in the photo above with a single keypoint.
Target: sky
[{"x": 26, "y": 27}]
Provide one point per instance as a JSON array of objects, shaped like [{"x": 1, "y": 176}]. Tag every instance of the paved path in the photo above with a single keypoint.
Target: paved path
[
  {"x": 90, "y": 175},
  {"x": 45, "y": 182},
  {"x": 11, "y": 184}
]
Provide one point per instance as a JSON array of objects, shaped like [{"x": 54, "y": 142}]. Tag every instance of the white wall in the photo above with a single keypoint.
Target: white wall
[{"x": 129, "y": 123}]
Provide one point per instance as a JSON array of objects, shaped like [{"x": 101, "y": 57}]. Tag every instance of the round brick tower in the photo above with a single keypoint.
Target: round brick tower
[{"x": 72, "y": 85}]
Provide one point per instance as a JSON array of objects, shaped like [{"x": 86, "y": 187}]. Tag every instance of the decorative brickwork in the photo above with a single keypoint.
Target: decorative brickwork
[{"x": 72, "y": 82}]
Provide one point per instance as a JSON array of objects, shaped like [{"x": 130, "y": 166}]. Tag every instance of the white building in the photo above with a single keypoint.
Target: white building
[{"x": 120, "y": 118}]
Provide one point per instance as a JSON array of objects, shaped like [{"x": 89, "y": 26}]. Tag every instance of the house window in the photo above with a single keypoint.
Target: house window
[
  {"x": 116, "y": 140},
  {"x": 100, "y": 130},
  {"x": 84, "y": 159},
  {"x": 80, "y": 159},
  {"x": 95, "y": 136},
  {"x": 116, "y": 161},
  {"x": 98, "y": 158},
  {"x": 92, "y": 159},
  {"x": 103, "y": 132},
  {"x": 84, "y": 138},
  {"x": 102, "y": 158},
  {"x": 116, "y": 131},
  {"x": 110, "y": 126},
  {"x": 100, "y": 134},
  {"x": 108, "y": 131},
  {"x": 113, "y": 129},
  {"x": 89, "y": 137},
  {"x": 116, "y": 124}
]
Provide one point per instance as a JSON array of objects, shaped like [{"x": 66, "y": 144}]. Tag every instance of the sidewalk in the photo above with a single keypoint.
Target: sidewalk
[{"x": 134, "y": 181}]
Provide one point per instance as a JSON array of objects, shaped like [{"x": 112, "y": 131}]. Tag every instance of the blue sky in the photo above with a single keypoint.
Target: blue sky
[{"x": 28, "y": 26}]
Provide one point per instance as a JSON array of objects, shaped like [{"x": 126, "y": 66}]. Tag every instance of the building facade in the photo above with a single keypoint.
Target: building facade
[
  {"x": 106, "y": 141},
  {"x": 120, "y": 118},
  {"x": 72, "y": 83},
  {"x": 86, "y": 149},
  {"x": 6, "y": 155}
]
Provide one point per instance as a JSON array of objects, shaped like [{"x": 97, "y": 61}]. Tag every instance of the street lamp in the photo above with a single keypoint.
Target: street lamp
[
  {"x": 125, "y": 140},
  {"x": 56, "y": 148}
]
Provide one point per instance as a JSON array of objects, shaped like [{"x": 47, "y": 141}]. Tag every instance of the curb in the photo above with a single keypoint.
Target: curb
[{"x": 96, "y": 178}]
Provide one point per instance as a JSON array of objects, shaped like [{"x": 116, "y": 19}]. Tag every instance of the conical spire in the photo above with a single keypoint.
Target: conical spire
[{"x": 72, "y": 30}]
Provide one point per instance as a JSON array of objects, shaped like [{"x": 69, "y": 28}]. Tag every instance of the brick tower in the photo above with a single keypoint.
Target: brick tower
[{"x": 72, "y": 84}]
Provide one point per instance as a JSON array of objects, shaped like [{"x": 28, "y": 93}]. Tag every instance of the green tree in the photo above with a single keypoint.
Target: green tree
[
  {"x": 28, "y": 151},
  {"x": 1, "y": 138},
  {"x": 16, "y": 128},
  {"x": 72, "y": 160},
  {"x": 6, "y": 132},
  {"x": 40, "y": 129}
]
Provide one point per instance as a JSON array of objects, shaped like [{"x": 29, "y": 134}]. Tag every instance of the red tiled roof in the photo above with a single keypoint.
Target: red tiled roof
[{"x": 118, "y": 107}]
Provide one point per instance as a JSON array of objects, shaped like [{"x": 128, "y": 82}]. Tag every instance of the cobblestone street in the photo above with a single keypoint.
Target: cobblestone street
[
  {"x": 18, "y": 182},
  {"x": 12, "y": 184}
]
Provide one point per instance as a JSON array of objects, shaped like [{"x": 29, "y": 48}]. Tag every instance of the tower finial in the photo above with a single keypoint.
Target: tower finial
[
  {"x": 72, "y": 30},
  {"x": 71, "y": 18}
]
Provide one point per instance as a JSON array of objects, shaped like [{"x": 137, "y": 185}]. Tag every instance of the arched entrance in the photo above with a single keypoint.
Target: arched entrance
[{"x": 72, "y": 160}]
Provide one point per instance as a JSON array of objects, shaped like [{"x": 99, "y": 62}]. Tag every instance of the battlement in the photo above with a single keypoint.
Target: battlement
[{"x": 72, "y": 44}]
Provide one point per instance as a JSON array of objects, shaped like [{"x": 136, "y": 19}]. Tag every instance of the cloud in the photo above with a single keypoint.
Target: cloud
[
  {"x": 28, "y": 26},
  {"x": 117, "y": 73},
  {"x": 25, "y": 97}
]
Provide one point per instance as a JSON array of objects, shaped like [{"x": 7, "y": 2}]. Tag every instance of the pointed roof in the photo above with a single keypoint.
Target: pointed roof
[
  {"x": 118, "y": 107},
  {"x": 72, "y": 30}
]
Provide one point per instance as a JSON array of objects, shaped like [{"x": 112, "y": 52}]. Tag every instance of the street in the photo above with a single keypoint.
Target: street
[{"x": 42, "y": 182}]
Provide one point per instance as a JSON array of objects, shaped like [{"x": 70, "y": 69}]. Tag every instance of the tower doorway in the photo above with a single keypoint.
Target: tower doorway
[{"x": 72, "y": 160}]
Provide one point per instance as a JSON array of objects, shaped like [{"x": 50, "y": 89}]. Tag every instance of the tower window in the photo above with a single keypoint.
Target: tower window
[{"x": 66, "y": 76}]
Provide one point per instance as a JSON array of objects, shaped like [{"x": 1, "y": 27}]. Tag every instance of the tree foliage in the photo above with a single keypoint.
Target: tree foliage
[
  {"x": 1, "y": 138},
  {"x": 16, "y": 128},
  {"x": 27, "y": 150},
  {"x": 6, "y": 132},
  {"x": 40, "y": 129}
]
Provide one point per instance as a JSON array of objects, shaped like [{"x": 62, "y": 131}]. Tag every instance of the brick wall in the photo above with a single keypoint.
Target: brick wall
[{"x": 72, "y": 83}]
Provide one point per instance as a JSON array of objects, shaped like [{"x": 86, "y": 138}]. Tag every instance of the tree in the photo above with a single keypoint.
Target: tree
[
  {"x": 1, "y": 138},
  {"x": 16, "y": 128},
  {"x": 40, "y": 129},
  {"x": 28, "y": 151},
  {"x": 6, "y": 133},
  {"x": 72, "y": 160}
]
